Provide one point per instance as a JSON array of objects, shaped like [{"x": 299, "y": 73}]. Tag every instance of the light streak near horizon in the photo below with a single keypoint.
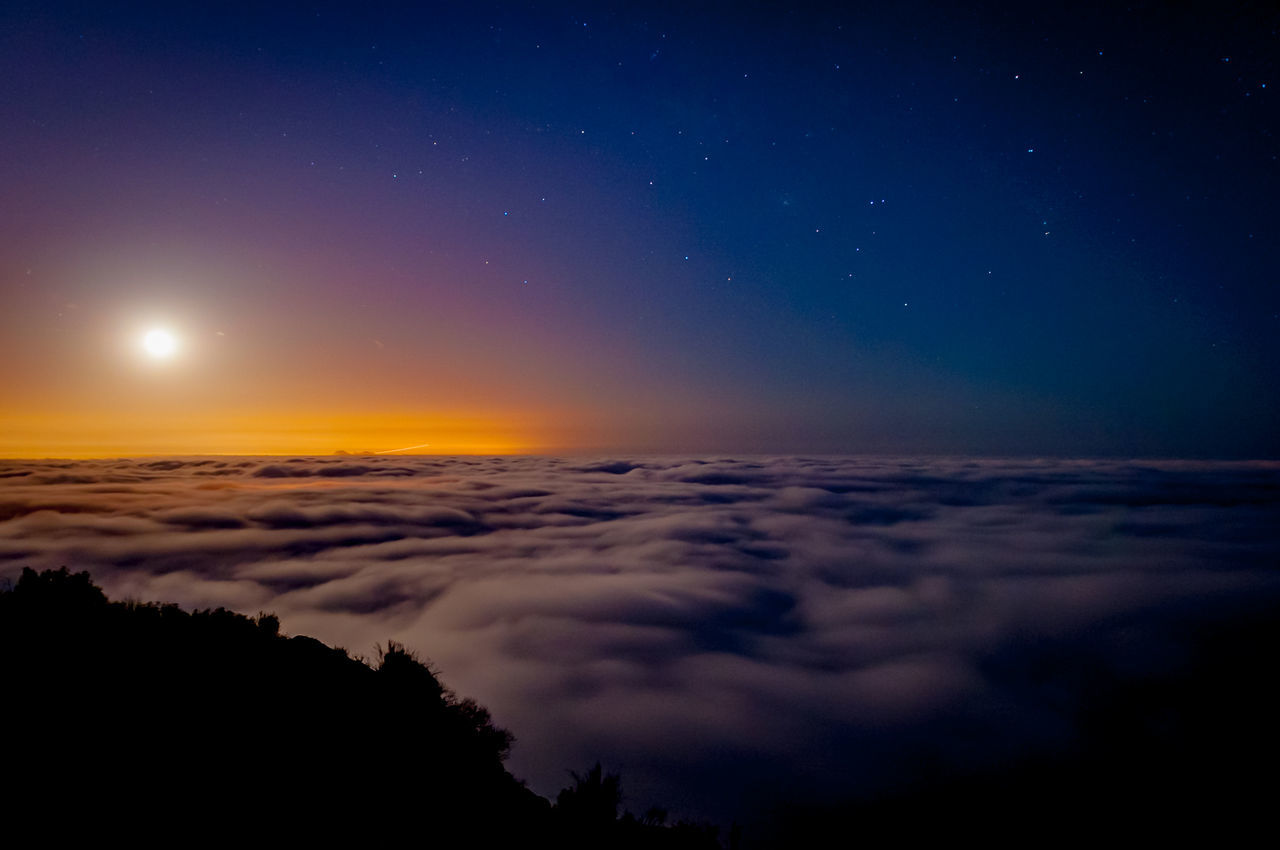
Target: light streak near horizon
[{"x": 405, "y": 449}]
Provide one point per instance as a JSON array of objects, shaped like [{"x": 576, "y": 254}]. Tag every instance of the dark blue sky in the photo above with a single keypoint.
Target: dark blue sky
[{"x": 1002, "y": 230}]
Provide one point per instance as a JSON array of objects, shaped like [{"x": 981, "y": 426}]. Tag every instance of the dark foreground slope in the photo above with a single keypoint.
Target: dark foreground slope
[
  {"x": 146, "y": 721},
  {"x": 157, "y": 725},
  {"x": 1179, "y": 751}
]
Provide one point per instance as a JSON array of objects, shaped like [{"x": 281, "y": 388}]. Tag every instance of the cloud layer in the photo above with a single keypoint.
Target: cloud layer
[{"x": 726, "y": 632}]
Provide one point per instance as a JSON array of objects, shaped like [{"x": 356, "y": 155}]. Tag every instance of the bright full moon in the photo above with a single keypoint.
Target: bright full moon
[{"x": 160, "y": 344}]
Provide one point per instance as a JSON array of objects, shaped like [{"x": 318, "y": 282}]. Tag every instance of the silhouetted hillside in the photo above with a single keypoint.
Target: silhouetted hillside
[
  {"x": 149, "y": 723},
  {"x": 144, "y": 720}
]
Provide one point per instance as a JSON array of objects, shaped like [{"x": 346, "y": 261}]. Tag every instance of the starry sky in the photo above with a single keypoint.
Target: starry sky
[{"x": 903, "y": 228}]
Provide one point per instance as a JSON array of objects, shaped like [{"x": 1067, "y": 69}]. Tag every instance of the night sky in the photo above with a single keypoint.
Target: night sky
[{"x": 656, "y": 227}]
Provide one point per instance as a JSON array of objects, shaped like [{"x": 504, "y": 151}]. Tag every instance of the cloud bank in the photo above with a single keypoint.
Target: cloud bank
[{"x": 726, "y": 632}]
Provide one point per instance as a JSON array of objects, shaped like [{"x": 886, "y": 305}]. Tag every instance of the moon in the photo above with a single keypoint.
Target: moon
[{"x": 159, "y": 344}]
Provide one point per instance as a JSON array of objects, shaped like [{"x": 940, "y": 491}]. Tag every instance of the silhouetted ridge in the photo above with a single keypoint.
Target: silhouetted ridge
[{"x": 126, "y": 716}]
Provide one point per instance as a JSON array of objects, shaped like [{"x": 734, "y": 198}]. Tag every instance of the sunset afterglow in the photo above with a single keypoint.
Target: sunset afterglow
[{"x": 174, "y": 431}]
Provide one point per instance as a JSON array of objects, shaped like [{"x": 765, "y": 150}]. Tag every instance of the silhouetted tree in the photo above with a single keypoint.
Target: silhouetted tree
[{"x": 593, "y": 799}]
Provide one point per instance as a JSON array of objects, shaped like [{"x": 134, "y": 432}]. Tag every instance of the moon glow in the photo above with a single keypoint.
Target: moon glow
[{"x": 159, "y": 344}]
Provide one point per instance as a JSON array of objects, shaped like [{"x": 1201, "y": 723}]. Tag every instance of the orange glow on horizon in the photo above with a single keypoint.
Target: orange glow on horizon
[
  {"x": 86, "y": 436},
  {"x": 166, "y": 369}
]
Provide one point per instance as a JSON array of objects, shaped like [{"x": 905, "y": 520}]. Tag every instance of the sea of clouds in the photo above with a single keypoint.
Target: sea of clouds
[{"x": 728, "y": 633}]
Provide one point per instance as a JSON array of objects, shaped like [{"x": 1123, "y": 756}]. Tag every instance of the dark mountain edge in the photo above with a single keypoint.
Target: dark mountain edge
[
  {"x": 143, "y": 720},
  {"x": 1173, "y": 739},
  {"x": 147, "y": 720}
]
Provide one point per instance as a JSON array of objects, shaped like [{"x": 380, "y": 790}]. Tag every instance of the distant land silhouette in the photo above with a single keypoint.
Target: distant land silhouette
[{"x": 166, "y": 726}]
